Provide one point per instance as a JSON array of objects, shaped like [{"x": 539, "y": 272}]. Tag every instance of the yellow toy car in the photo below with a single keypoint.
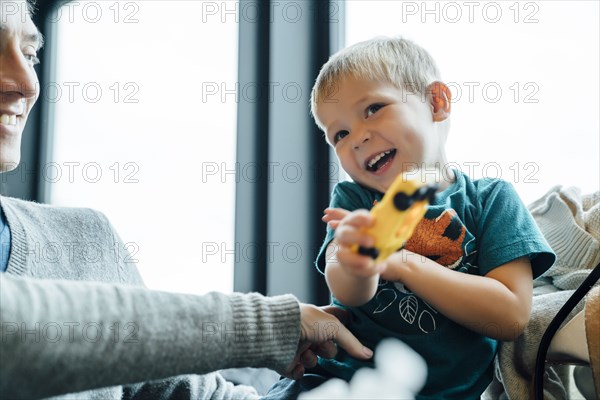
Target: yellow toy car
[{"x": 397, "y": 215}]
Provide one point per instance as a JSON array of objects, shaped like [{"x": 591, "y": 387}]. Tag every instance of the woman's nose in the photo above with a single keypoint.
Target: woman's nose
[{"x": 18, "y": 79}]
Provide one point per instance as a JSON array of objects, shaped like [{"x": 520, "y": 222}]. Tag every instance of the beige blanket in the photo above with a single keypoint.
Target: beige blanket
[{"x": 570, "y": 223}]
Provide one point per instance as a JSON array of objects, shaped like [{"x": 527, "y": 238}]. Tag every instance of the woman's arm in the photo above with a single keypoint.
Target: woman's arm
[{"x": 73, "y": 336}]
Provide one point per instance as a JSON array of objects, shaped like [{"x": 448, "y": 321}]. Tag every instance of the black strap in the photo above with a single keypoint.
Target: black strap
[{"x": 561, "y": 316}]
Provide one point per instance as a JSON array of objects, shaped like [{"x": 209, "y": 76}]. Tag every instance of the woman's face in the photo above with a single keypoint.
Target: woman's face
[{"x": 20, "y": 41}]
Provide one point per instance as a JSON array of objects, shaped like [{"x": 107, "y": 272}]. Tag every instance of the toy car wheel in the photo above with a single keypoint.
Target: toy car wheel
[
  {"x": 370, "y": 251},
  {"x": 431, "y": 193},
  {"x": 425, "y": 192},
  {"x": 402, "y": 202}
]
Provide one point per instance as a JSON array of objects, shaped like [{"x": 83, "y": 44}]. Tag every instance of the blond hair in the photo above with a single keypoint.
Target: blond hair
[{"x": 397, "y": 61}]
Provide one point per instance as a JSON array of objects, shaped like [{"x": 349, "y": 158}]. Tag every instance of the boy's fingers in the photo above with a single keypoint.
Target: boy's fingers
[
  {"x": 349, "y": 258},
  {"x": 331, "y": 221},
  {"x": 356, "y": 264},
  {"x": 348, "y": 236},
  {"x": 334, "y": 214},
  {"x": 334, "y": 224},
  {"x": 358, "y": 219}
]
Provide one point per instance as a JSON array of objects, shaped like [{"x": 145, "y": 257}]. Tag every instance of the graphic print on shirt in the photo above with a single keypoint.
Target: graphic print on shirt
[{"x": 442, "y": 238}]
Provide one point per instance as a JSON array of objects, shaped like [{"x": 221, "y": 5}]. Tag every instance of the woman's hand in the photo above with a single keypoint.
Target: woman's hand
[{"x": 321, "y": 329}]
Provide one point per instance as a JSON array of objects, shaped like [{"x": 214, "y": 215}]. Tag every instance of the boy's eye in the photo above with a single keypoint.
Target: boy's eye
[
  {"x": 339, "y": 136},
  {"x": 373, "y": 108}
]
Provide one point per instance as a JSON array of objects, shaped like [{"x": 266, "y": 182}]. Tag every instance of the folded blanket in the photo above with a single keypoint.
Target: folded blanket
[
  {"x": 570, "y": 223},
  {"x": 515, "y": 363},
  {"x": 592, "y": 332}
]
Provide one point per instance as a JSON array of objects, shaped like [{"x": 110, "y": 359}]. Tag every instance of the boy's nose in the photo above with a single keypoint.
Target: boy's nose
[{"x": 361, "y": 137}]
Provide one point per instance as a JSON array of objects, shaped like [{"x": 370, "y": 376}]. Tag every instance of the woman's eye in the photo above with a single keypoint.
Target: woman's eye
[
  {"x": 340, "y": 135},
  {"x": 30, "y": 54},
  {"x": 32, "y": 59},
  {"x": 373, "y": 108}
]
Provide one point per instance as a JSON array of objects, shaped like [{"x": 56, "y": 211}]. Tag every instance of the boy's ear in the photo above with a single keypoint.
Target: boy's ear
[{"x": 440, "y": 97}]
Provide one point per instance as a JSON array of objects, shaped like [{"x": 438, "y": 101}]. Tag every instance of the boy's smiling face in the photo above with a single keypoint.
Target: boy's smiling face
[{"x": 379, "y": 131}]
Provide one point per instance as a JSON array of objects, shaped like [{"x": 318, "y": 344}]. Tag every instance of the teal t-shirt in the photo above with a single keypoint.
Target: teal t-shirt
[{"x": 471, "y": 227}]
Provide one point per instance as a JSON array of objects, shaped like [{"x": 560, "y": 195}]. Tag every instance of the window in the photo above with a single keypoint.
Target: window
[
  {"x": 145, "y": 131},
  {"x": 524, "y": 78}
]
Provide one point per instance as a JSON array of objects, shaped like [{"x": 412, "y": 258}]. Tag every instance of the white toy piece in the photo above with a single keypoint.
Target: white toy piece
[{"x": 399, "y": 374}]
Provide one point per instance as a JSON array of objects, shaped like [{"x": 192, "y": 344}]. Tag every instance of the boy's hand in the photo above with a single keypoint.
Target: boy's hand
[
  {"x": 349, "y": 233},
  {"x": 394, "y": 265},
  {"x": 333, "y": 216},
  {"x": 397, "y": 263}
]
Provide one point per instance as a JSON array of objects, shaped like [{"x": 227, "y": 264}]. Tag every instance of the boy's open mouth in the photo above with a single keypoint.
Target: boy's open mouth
[{"x": 379, "y": 160}]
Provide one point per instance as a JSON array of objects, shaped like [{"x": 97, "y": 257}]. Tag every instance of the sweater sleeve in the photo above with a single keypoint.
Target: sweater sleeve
[
  {"x": 74, "y": 336},
  {"x": 126, "y": 263}
]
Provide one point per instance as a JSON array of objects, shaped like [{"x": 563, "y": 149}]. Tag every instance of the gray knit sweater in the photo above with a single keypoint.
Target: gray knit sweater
[{"x": 62, "y": 337}]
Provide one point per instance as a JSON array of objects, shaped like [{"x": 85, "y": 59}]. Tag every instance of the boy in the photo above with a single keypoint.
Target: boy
[{"x": 464, "y": 278}]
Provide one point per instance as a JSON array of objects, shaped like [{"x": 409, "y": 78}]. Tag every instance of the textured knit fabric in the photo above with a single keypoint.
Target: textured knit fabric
[
  {"x": 471, "y": 227},
  {"x": 515, "y": 363},
  {"x": 571, "y": 224},
  {"x": 592, "y": 333},
  {"x": 59, "y": 337}
]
